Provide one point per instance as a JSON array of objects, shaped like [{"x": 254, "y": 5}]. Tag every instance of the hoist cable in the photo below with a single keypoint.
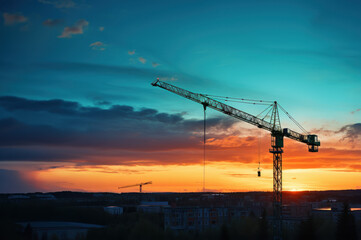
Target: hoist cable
[
  {"x": 243, "y": 99},
  {"x": 294, "y": 120},
  {"x": 204, "y": 150},
  {"x": 264, "y": 110},
  {"x": 239, "y": 101},
  {"x": 268, "y": 112}
]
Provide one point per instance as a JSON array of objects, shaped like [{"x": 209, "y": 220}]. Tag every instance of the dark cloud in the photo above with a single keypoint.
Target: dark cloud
[
  {"x": 19, "y": 134},
  {"x": 74, "y": 109},
  {"x": 54, "y": 106},
  {"x": 39, "y": 154},
  {"x": 67, "y": 130},
  {"x": 352, "y": 132},
  {"x": 139, "y": 135}
]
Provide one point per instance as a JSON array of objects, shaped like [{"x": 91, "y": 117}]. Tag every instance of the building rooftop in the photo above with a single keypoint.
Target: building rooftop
[{"x": 59, "y": 225}]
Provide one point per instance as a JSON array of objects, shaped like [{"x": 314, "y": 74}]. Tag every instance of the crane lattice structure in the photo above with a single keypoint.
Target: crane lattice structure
[
  {"x": 273, "y": 126},
  {"x": 139, "y": 184}
]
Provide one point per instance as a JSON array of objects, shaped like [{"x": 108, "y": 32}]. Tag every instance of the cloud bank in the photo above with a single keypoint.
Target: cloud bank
[
  {"x": 111, "y": 134},
  {"x": 118, "y": 132}
]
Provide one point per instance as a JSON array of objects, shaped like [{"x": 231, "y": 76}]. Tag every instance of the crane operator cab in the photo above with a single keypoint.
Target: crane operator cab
[{"x": 313, "y": 143}]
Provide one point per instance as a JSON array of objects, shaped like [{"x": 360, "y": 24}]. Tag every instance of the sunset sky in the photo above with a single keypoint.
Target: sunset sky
[{"x": 78, "y": 112}]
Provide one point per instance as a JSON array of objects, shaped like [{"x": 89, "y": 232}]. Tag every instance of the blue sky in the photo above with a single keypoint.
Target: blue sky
[
  {"x": 100, "y": 54},
  {"x": 305, "y": 54}
]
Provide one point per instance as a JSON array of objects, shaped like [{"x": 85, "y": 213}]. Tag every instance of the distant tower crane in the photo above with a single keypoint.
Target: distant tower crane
[
  {"x": 277, "y": 134},
  {"x": 139, "y": 184}
]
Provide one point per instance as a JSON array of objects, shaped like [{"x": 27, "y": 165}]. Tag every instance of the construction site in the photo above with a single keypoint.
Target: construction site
[{"x": 180, "y": 120}]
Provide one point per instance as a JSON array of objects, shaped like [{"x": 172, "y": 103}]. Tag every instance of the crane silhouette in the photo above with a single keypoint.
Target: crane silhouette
[
  {"x": 273, "y": 126},
  {"x": 138, "y": 184}
]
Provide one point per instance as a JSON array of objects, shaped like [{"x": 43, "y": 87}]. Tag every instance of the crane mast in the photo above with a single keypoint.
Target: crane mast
[{"x": 277, "y": 135}]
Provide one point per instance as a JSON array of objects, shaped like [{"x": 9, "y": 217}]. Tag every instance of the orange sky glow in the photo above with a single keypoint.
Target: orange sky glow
[{"x": 232, "y": 163}]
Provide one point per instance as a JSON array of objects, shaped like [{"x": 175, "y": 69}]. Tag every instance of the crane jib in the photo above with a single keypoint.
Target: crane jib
[
  {"x": 216, "y": 105},
  {"x": 236, "y": 113}
]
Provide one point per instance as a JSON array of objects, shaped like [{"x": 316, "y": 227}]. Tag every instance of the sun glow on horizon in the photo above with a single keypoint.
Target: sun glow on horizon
[
  {"x": 296, "y": 190},
  {"x": 220, "y": 177}
]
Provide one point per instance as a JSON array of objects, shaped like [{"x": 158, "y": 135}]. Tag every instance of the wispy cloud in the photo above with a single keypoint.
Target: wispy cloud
[
  {"x": 131, "y": 52},
  {"x": 78, "y": 28},
  {"x": 357, "y": 110},
  {"x": 155, "y": 64},
  {"x": 142, "y": 60},
  {"x": 142, "y": 73},
  {"x": 98, "y": 46},
  {"x": 59, "y": 3},
  {"x": 52, "y": 22},
  {"x": 12, "y": 19}
]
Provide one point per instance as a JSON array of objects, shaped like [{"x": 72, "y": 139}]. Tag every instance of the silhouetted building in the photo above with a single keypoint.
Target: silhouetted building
[
  {"x": 199, "y": 218},
  {"x": 152, "y": 207},
  {"x": 334, "y": 212},
  {"x": 62, "y": 230},
  {"x": 114, "y": 210}
]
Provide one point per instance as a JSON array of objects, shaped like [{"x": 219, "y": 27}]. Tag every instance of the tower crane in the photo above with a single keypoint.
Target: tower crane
[
  {"x": 139, "y": 184},
  {"x": 273, "y": 126}
]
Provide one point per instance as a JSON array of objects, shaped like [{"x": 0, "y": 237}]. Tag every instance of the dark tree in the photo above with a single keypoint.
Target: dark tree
[{"x": 346, "y": 227}]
